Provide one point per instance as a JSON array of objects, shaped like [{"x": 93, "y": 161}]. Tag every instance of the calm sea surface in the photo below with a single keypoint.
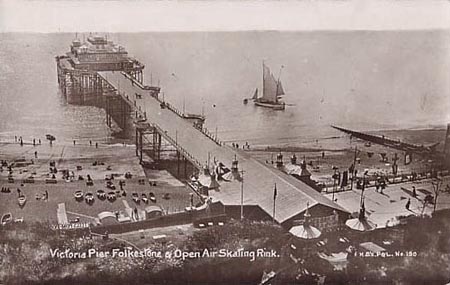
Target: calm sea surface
[{"x": 362, "y": 80}]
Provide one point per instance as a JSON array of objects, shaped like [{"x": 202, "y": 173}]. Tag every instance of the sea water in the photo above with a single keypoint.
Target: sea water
[{"x": 360, "y": 79}]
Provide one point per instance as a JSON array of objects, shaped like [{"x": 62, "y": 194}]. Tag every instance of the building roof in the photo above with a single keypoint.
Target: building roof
[
  {"x": 373, "y": 247},
  {"x": 292, "y": 196}
]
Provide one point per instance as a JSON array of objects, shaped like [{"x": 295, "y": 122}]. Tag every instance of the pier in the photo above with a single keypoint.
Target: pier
[{"x": 156, "y": 120}]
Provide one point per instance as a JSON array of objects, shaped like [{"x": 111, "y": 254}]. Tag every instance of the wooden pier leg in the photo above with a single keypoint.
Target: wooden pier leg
[
  {"x": 154, "y": 143},
  {"x": 137, "y": 141},
  {"x": 140, "y": 147},
  {"x": 159, "y": 146},
  {"x": 106, "y": 110},
  {"x": 178, "y": 163},
  {"x": 122, "y": 113},
  {"x": 185, "y": 167}
]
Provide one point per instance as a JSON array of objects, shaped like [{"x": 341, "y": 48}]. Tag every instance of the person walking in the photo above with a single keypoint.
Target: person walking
[
  {"x": 408, "y": 204},
  {"x": 414, "y": 194}
]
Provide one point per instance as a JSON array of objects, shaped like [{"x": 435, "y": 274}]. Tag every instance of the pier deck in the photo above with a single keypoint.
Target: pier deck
[{"x": 259, "y": 179}]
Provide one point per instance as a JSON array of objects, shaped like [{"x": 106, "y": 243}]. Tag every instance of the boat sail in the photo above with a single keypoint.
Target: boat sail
[
  {"x": 255, "y": 96},
  {"x": 272, "y": 91}
]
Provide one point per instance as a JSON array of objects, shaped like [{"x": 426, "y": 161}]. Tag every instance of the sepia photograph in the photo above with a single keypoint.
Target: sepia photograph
[{"x": 225, "y": 142}]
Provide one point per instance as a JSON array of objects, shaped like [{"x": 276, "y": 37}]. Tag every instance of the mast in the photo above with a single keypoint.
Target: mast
[{"x": 264, "y": 85}]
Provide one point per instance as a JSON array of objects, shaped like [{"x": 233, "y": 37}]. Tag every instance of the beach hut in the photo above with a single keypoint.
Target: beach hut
[
  {"x": 107, "y": 218},
  {"x": 89, "y": 197},
  {"x": 78, "y": 195},
  {"x": 207, "y": 181},
  {"x": 101, "y": 194},
  {"x": 111, "y": 196}
]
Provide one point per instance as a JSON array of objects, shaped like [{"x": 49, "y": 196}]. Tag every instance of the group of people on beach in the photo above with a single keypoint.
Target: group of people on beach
[
  {"x": 90, "y": 143},
  {"x": 20, "y": 140},
  {"x": 6, "y": 190}
]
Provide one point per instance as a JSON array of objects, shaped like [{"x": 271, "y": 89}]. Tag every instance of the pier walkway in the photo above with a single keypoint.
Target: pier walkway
[{"x": 259, "y": 179}]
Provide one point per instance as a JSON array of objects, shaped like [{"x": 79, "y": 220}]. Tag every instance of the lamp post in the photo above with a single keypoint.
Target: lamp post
[
  {"x": 334, "y": 181},
  {"x": 242, "y": 194},
  {"x": 363, "y": 187},
  {"x": 353, "y": 168},
  {"x": 437, "y": 183}
]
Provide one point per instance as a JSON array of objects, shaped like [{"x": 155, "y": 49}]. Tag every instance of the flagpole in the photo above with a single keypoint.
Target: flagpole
[
  {"x": 273, "y": 217},
  {"x": 274, "y": 199}
]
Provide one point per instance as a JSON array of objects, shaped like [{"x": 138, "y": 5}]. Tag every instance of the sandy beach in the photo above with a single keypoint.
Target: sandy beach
[
  {"x": 82, "y": 160},
  {"x": 339, "y": 151}
]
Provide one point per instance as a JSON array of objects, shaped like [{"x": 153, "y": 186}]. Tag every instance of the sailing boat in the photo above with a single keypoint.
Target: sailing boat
[{"x": 272, "y": 92}]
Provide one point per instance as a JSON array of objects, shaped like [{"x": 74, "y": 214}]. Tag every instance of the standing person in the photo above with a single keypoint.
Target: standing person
[
  {"x": 136, "y": 214},
  {"x": 408, "y": 204},
  {"x": 414, "y": 194},
  {"x": 35, "y": 154},
  {"x": 96, "y": 145},
  {"x": 90, "y": 143},
  {"x": 74, "y": 142}
]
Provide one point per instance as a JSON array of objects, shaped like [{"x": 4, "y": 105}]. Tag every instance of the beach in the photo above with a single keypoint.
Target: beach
[
  {"x": 338, "y": 151},
  {"x": 31, "y": 175}
]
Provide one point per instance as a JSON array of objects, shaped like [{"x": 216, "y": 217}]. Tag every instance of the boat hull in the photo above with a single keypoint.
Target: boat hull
[
  {"x": 274, "y": 106},
  {"x": 22, "y": 200},
  {"x": 6, "y": 219}
]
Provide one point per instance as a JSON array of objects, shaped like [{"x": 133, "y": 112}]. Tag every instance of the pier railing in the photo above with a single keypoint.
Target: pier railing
[
  {"x": 140, "y": 114},
  {"x": 202, "y": 130},
  {"x": 401, "y": 177},
  {"x": 181, "y": 149}
]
